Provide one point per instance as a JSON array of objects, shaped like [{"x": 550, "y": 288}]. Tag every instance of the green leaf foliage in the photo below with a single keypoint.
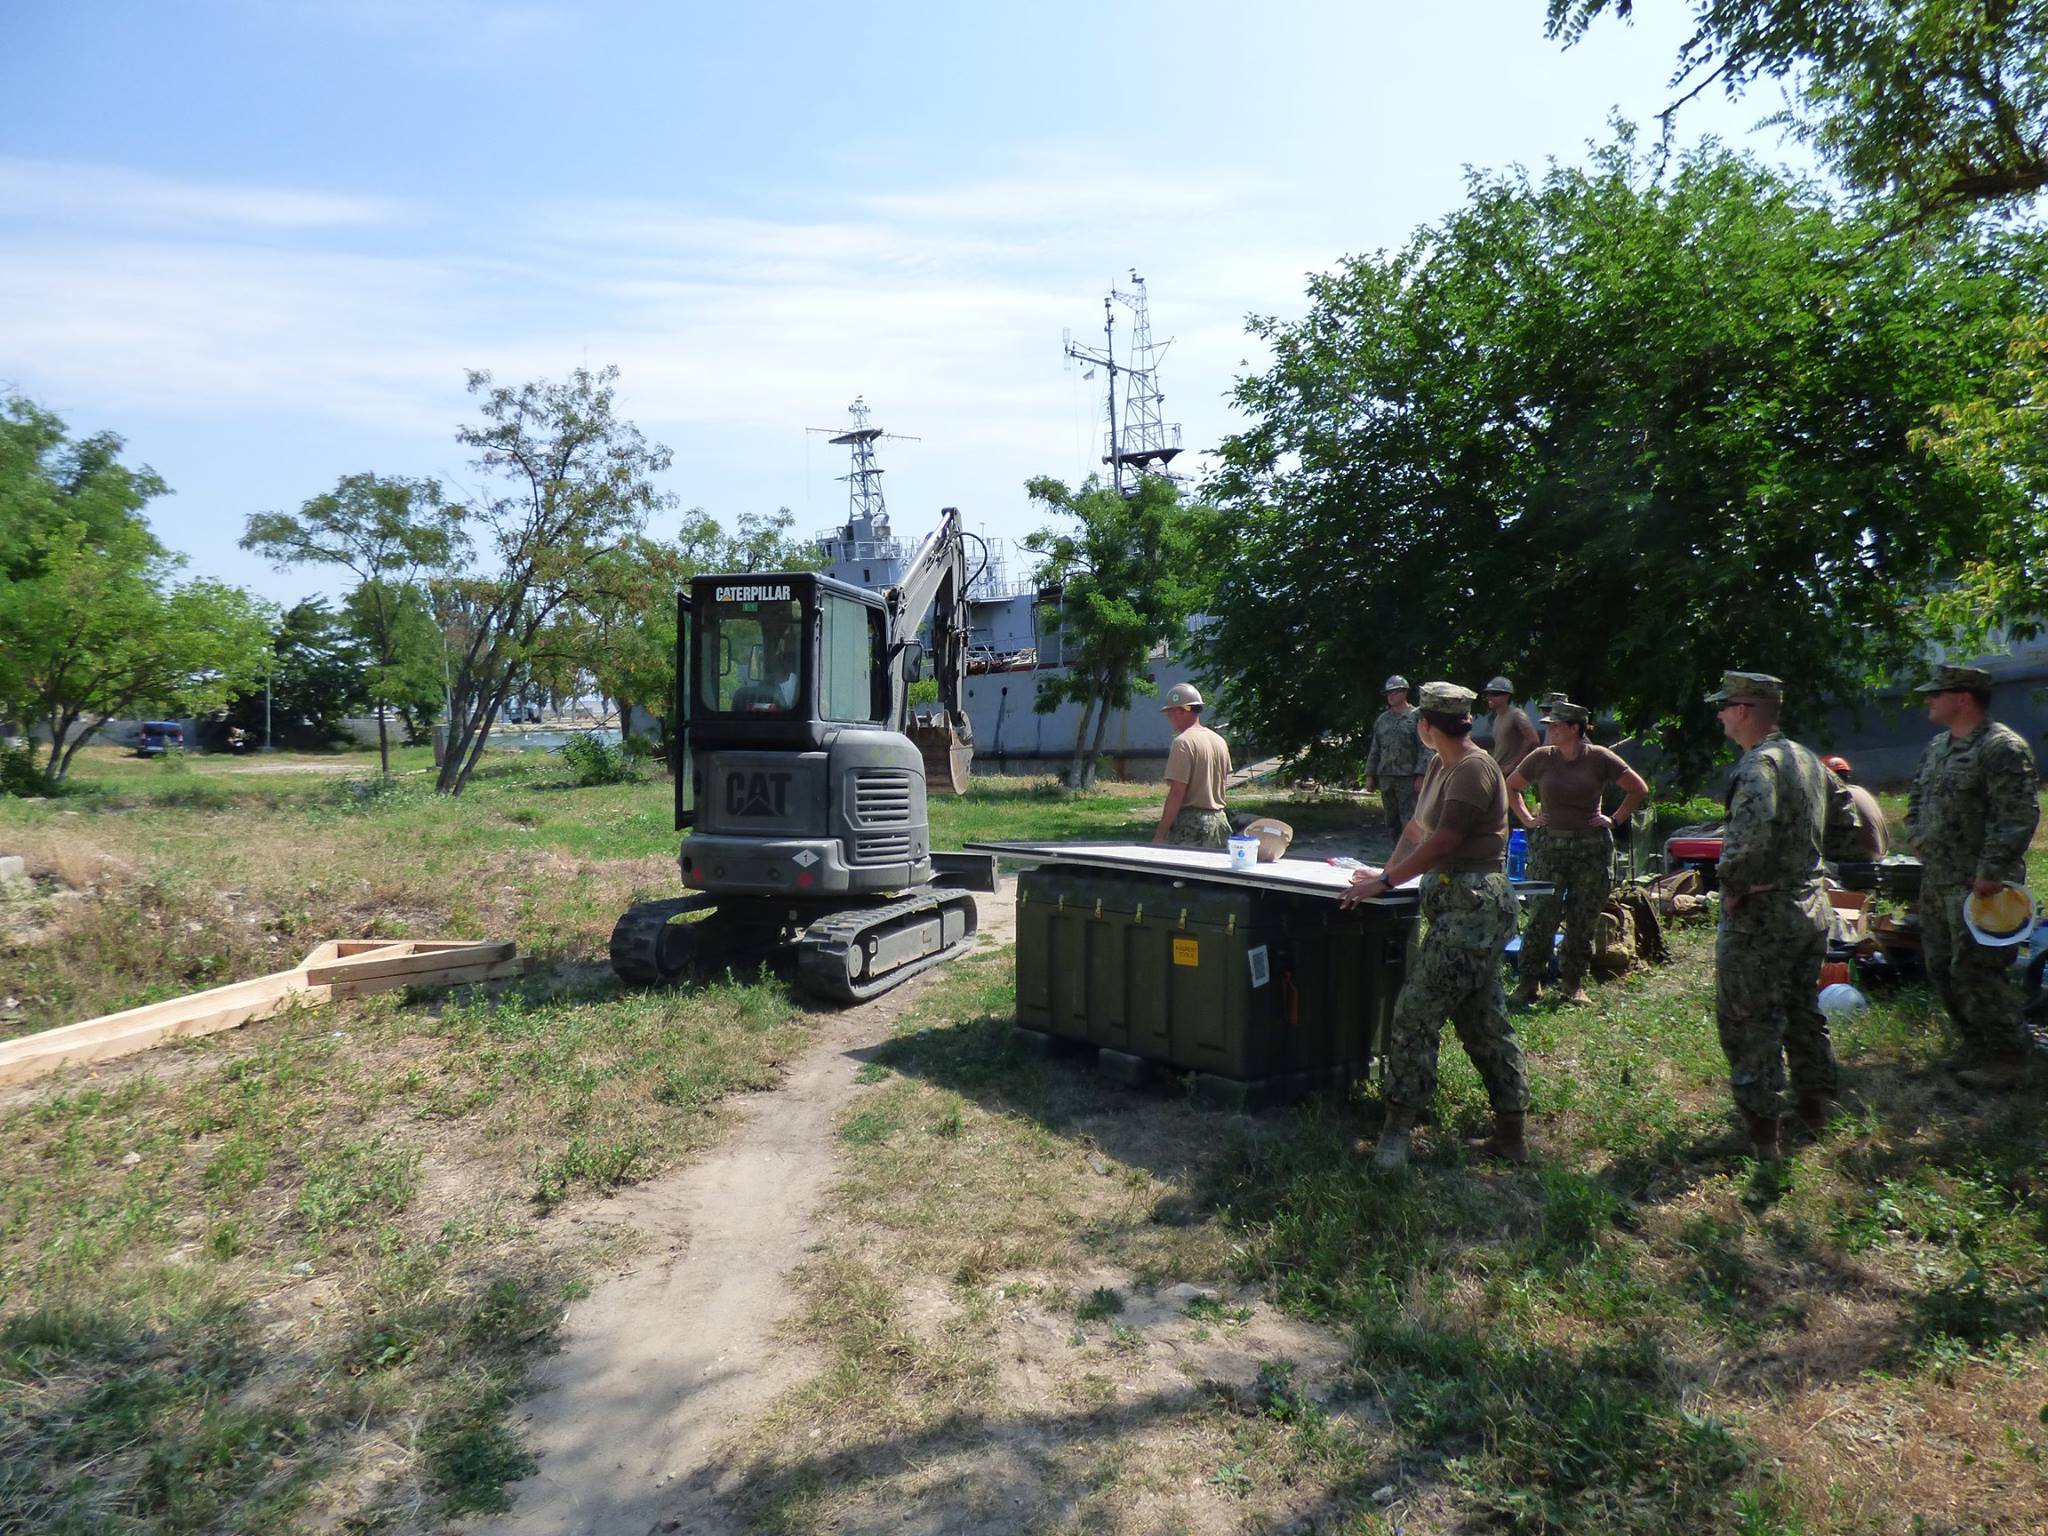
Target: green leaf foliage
[
  {"x": 92, "y": 624},
  {"x": 1130, "y": 576},
  {"x": 317, "y": 678},
  {"x": 1938, "y": 105},
  {"x": 1609, "y": 433},
  {"x": 391, "y": 533},
  {"x": 1999, "y": 438}
]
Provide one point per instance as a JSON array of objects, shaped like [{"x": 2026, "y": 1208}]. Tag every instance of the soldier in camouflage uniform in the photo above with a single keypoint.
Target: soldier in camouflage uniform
[
  {"x": 1457, "y": 842},
  {"x": 1395, "y": 761},
  {"x": 1972, "y": 813},
  {"x": 1571, "y": 843},
  {"x": 1785, "y": 811}
]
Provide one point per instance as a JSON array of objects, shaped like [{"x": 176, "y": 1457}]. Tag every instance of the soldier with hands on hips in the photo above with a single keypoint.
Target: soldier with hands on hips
[{"x": 1571, "y": 842}]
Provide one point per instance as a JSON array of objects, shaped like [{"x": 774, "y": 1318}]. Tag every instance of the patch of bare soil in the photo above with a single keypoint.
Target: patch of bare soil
[{"x": 666, "y": 1360}]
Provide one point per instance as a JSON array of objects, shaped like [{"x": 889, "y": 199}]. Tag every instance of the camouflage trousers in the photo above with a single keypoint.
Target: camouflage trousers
[
  {"x": 1767, "y": 959},
  {"x": 1457, "y": 976},
  {"x": 1200, "y": 829},
  {"x": 1974, "y": 981},
  {"x": 1581, "y": 867},
  {"x": 1397, "y": 798}
]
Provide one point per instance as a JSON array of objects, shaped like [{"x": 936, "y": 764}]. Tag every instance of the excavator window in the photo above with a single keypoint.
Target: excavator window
[
  {"x": 753, "y": 664},
  {"x": 846, "y": 649}
]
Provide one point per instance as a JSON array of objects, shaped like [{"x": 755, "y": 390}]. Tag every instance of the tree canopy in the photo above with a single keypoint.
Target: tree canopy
[
  {"x": 1129, "y": 576},
  {"x": 571, "y": 479},
  {"x": 1939, "y": 104},
  {"x": 316, "y": 678},
  {"x": 390, "y": 533},
  {"x": 1608, "y": 433},
  {"x": 92, "y": 624}
]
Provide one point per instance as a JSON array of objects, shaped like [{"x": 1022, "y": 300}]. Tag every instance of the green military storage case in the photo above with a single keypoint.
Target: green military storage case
[{"x": 1248, "y": 985}]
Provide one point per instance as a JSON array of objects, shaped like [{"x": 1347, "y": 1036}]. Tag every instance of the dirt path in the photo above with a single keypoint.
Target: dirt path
[{"x": 661, "y": 1363}]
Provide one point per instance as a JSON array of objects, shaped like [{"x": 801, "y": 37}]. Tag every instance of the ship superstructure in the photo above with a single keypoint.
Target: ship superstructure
[{"x": 1015, "y": 620}]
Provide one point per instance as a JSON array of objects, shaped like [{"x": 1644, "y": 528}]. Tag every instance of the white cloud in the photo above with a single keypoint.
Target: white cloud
[
  {"x": 44, "y": 192},
  {"x": 732, "y": 334}
]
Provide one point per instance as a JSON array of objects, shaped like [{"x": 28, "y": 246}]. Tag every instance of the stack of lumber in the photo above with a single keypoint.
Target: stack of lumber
[{"x": 336, "y": 969}]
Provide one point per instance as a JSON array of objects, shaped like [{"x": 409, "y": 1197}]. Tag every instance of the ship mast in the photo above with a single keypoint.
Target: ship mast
[
  {"x": 1147, "y": 443},
  {"x": 864, "y": 501}
]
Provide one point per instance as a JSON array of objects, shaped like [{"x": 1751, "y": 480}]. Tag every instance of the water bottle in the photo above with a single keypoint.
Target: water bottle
[{"x": 1518, "y": 853}]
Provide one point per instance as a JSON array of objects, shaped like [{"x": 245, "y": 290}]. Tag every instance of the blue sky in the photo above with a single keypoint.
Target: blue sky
[{"x": 264, "y": 239}]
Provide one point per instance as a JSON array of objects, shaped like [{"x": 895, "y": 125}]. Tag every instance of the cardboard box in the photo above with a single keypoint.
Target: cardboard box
[{"x": 1852, "y": 908}]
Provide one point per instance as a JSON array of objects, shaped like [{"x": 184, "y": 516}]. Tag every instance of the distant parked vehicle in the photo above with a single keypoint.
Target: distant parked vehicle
[{"x": 158, "y": 737}]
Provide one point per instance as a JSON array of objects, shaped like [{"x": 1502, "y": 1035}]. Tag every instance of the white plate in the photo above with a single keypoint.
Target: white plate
[{"x": 2000, "y": 940}]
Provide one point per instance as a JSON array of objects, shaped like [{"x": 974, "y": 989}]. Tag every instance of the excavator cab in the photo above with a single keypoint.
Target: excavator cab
[{"x": 798, "y": 785}]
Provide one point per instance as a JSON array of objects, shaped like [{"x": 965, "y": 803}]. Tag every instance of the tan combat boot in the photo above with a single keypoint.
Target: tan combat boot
[
  {"x": 1391, "y": 1154},
  {"x": 1574, "y": 993},
  {"x": 1508, "y": 1141},
  {"x": 1530, "y": 990}
]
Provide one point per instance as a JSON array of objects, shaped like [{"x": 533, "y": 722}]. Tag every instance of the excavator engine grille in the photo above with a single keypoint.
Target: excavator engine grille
[
  {"x": 881, "y": 848},
  {"x": 881, "y": 798}
]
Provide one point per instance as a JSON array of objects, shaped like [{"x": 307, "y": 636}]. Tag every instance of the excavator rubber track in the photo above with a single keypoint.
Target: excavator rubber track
[
  {"x": 644, "y": 951},
  {"x": 854, "y": 955}
]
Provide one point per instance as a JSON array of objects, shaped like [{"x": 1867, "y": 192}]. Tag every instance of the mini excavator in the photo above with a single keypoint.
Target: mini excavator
[{"x": 801, "y": 774}]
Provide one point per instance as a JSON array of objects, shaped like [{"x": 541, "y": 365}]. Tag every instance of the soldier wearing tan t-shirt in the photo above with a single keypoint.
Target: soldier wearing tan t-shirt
[
  {"x": 1197, "y": 766},
  {"x": 1873, "y": 838},
  {"x": 1457, "y": 843},
  {"x": 1571, "y": 843},
  {"x": 1514, "y": 737}
]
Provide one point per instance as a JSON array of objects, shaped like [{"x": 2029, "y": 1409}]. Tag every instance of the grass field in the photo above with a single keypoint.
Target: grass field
[{"x": 293, "y": 1277}]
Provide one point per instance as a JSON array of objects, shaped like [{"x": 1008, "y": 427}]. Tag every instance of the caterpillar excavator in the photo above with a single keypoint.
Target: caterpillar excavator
[{"x": 801, "y": 777}]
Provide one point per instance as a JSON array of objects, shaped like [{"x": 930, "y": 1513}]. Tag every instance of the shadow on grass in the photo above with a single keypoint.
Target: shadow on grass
[{"x": 1507, "y": 1321}]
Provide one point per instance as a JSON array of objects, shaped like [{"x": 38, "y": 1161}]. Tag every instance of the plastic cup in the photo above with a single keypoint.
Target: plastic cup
[{"x": 1244, "y": 852}]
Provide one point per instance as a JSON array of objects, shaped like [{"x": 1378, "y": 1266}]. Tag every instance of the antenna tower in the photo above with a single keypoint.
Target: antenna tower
[
  {"x": 864, "y": 482},
  {"x": 1147, "y": 443}
]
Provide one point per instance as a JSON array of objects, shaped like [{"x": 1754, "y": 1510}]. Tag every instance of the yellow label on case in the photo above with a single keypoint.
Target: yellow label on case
[{"x": 1187, "y": 951}]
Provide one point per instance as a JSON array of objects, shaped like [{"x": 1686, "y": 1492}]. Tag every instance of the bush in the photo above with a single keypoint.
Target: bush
[
  {"x": 20, "y": 776},
  {"x": 592, "y": 761},
  {"x": 173, "y": 761}
]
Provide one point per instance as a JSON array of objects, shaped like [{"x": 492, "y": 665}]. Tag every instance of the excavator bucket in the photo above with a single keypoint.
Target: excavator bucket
[{"x": 946, "y": 756}]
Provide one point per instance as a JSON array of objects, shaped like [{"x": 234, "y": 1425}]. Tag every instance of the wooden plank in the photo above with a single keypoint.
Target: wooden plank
[
  {"x": 335, "y": 949},
  {"x": 448, "y": 976},
  {"x": 136, "y": 1029},
  {"x": 412, "y": 956},
  {"x": 360, "y": 968}
]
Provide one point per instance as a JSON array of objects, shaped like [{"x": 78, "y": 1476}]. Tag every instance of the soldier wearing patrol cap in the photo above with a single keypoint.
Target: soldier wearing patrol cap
[
  {"x": 1457, "y": 842},
  {"x": 1514, "y": 738},
  {"x": 1197, "y": 765},
  {"x": 1393, "y": 765},
  {"x": 1571, "y": 842},
  {"x": 1785, "y": 811},
  {"x": 1972, "y": 813}
]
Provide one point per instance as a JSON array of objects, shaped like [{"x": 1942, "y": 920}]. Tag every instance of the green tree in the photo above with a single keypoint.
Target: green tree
[
  {"x": 92, "y": 624},
  {"x": 1999, "y": 438},
  {"x": 1129, "y": 580},
  {"x": 318, "y": 675},
  {"x": 575, "y": 480},
  {"x": 1610, "y": 434},
  {"x": 1941, "y": 104},
  {"x": 621, "y": 635},
  {"x": 413, "y": 676},
  {"x": 390, "y": 533}
]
